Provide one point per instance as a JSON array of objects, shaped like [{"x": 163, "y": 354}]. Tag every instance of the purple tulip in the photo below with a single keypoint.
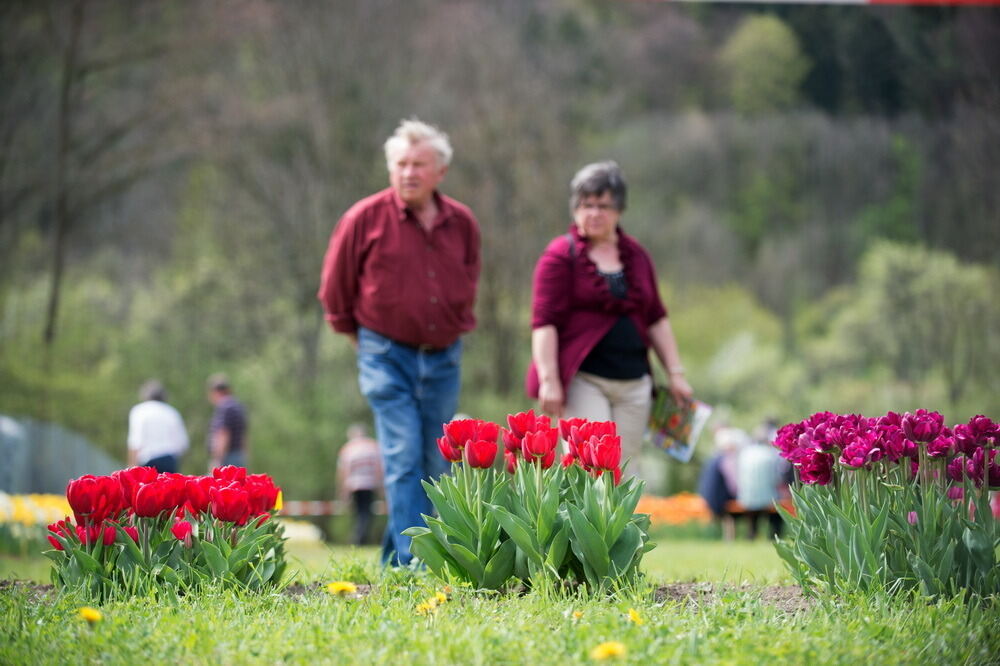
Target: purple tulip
[
  {"x": 922, "y": 426},
  {"x": 979, "y": 432}
]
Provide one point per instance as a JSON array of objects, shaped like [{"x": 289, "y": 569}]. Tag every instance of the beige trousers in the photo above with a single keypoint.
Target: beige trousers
[{"x": 624, "y": 401}]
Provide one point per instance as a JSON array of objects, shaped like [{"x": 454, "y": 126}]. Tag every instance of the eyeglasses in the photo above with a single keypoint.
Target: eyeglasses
[{"x": 600, "y": 207}]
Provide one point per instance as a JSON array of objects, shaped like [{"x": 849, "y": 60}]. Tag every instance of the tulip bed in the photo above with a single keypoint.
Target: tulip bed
[
  {"x": 311, "y": 623},
  {"x": 138, "y": 531},
  {"x": 541, "y": 523},
  {"x": 894, "y": 503}
]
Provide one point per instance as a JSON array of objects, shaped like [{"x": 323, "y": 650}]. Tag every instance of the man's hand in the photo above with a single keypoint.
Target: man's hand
[{"x": 353, "y": 337}]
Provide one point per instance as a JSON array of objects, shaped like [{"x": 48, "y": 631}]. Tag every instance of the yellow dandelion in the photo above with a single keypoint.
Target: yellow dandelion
[
  {"x": 342, "y": 587},
  {"x": 441, "y": 597},
  {"x": 426, "y": 607},
  {"x": 91, "y": 615},
  {"x": 633, "y": 616},
  {"x": 608, "y": 650},
  {"x": 577, "y": 615}
]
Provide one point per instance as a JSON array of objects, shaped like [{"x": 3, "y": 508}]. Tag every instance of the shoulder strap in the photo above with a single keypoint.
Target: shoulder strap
[{"x": 572, "y": 246}]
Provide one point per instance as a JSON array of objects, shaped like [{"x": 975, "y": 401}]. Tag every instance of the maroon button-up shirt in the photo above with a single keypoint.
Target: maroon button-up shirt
[{"x": 383, "y": 271}]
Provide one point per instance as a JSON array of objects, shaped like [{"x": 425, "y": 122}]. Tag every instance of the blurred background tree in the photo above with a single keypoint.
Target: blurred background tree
[{"x": 818, "y": 186}]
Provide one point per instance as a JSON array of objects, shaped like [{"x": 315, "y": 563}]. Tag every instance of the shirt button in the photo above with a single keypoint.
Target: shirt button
[
  {"x": 431, "y": 327},
  {"x": 434, "y": 299},
  {"x": 430, "y": 273}
]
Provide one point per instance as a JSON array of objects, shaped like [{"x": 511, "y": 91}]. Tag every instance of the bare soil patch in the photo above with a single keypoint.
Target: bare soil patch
[{"x": 787, "y": 598}]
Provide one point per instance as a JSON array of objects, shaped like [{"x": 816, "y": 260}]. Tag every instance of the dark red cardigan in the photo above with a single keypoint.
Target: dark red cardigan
[{"x": 570, "y": 294}]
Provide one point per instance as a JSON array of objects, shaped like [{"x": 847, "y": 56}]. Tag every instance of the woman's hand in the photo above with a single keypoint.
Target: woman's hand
[
  {"x": 680, "y": 389},
  {"x": 551, "y": 398}
]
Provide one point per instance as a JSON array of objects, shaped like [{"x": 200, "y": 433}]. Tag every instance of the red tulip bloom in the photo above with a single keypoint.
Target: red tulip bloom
[
  {"x": 182, "y": 532},
  {"x": 522, "y": 423},
  {"x": 511, "y": 442},
  {"x": 540, "y": 443},
  {"x": 548, "y": 459},
  {"x": 94, "y": 498},
  {"x": 481, "y": 454},
  {"x": 460, "y": 432},
  {"x": 262, "y": 491},
  {"x": 130, "y": 479},
  {"x": 606, "y": 451},
  {"x": 568, "y": 460},
  {"x": 91, "y": 534},
  {"x": 230, "y": 504},
  {"x": 63, "y": 529},
  {"x": 450, "y": 453},
  {"x": 162, "y": 496},
  {"x": 510, "y": 458},
  {"x": 230, "y": 474},
  {"x": 196, "y": 491},
  {"x": 132, "y": 531}
]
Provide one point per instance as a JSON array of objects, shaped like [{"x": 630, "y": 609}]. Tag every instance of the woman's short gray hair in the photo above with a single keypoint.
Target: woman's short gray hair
[
  {"x": 596, "y": 179},
  {"x": 414, "y": 131}
]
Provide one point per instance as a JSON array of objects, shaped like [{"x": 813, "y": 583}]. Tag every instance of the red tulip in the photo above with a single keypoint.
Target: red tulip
[
  {"x": 566, "y": 427},
  {"x": 539, "y": 444},
  {"x": 481, "y": 454},
  {"x": 548, "y": 459},
  {"x": 90, "y": 534},
  {"x": 606, "y": 452},
  {"x": 511, "y": 442},
  {"x": 196, "y": 491},
  {"x": 510, "y": 457},
  {"x": 460, "y": 432},
  {"x": 63, "y": 529},
  {"x": 130, "y": 479},
  {"x": 487, "y": 431},
  {"x": 230, "y": 504},
  {"x": 132, "y": 532},
  {"x": 94, "y": 498},
  {"x": 450, "y": 453},
  {"x": 182, "y": 532},
  {"x": 263, "y": 493},
  {"x": 522, "y": 423},
  {"x": 230, "y": 473},
  {"x": 568, "y": 460},
  {"x": 163, "y": 495}
]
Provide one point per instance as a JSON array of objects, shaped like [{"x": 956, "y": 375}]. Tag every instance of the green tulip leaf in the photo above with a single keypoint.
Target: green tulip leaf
[
  {"x": 501, "y": 566},
  {"x": 587, "y": 541}
]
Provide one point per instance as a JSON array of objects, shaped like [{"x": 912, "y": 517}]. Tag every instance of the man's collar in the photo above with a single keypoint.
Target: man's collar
[{"x": 444, "y": 209}]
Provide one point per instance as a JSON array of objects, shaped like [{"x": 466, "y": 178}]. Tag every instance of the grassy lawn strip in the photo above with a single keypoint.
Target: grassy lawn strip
[{"x": 731, "y": 625}]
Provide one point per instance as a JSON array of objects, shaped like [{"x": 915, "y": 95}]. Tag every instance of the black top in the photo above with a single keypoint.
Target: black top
[{"x": 621, "y": 353}]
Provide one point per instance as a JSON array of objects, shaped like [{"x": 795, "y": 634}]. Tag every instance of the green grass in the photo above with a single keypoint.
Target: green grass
[{"x": 536, "y": 628}]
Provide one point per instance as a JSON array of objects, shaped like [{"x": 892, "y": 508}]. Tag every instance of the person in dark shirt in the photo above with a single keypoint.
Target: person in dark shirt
[
  {"x": 596, "y": 311},
  {"x": 227, "y": 432},
  {"x": 399, "y": 279}
]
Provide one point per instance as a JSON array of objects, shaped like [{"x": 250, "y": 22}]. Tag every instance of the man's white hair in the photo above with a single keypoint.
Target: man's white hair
[{"x": 414, "y": 131}]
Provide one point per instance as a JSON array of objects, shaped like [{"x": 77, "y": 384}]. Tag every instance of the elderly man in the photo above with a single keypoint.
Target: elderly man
[{"x": 399, "y": 279}]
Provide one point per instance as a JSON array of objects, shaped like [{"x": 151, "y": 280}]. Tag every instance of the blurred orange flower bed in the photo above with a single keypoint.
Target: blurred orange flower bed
[{"x": 678, "y": 509}]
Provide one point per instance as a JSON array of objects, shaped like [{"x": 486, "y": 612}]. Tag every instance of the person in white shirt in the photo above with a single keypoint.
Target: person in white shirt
[
  {"x": 359, "y": 477},
  {"x": 156, "y": 433}
]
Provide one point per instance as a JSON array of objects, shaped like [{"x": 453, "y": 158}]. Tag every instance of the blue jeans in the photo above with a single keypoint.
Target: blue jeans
[{"x": 411, "y": 393}]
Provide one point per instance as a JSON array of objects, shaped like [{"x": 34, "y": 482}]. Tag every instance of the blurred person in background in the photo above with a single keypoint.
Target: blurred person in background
[
  {"x": 227, "y": 431},
  {"x": 717, "y": 483},
  {"x": 759, "y": 481},
  {"x": 359, "y": 478},
  {"x": 596, "y": 312},
  {"x": 156, "y": 433},
  {"x": 399, "y": 280}
]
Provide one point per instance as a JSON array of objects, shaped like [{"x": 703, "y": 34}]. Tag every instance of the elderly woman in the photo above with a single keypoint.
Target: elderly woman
[{"x": 595, "y": 314}]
